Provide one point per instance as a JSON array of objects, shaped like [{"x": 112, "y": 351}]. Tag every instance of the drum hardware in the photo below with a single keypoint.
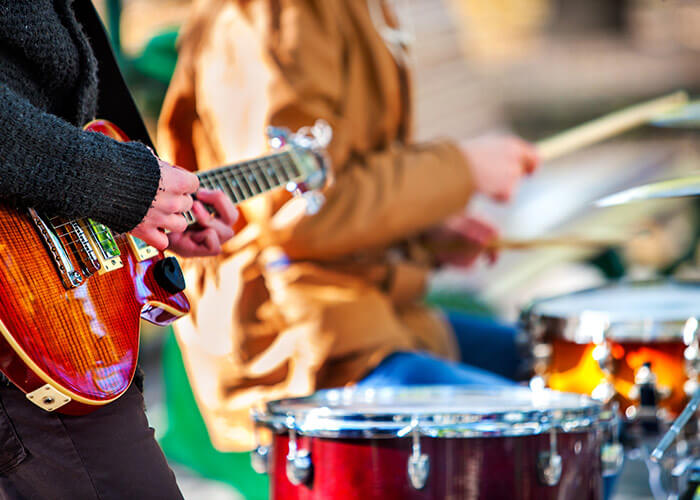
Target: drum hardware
[
  {"x": 537, "y": 351},
  {"x": 258, "y": 459},
  {"x": 418, "y": 463},
  {"x": 692, "y": 490},
  {"x": 676, "y": 428},
  {"x": 299, "y": 466},
  {"x": 549, "y": 463},
  {"x": 680, "y": 476},
  {"x": 692, "y": 357},
  {"x": 260, "y": 455},
  {"x": 648, "y": 393},
  {"x": 541, "y": 353},
  {"x": 605, "y": 390},
  {"x": 686, "y": 461},
  {"x": 612, "y": 454}
]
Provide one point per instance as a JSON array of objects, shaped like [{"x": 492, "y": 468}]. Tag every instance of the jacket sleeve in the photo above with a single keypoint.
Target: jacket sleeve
[
  {"x": 377, "y": 198},
  {"x": 383, "y": 198},
  {"x": 57, "y": 168}
]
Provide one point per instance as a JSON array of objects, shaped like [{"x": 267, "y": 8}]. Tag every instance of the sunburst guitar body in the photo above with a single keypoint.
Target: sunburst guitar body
[{"x": 72, "y": 292}]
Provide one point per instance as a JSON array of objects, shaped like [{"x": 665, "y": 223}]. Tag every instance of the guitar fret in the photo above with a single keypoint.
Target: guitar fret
[
  {"x": 263, "y": 169},
  {"x": 205, "y": 180},
  {"x": 226, "y": 185},
  {"x": 272, "y": 172},
  {"x": 293, "y": 166},
  {"x": 253, "y": 180},
  {"x": 235, "y": 185},
  {"x": 260, "y": 175},
  {"x": 189, "y": 217},
  {"x": 248, "y": 192},
  {"x": 285, "y": 169}
]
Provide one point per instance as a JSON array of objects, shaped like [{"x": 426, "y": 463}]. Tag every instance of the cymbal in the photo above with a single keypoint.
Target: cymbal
[
  {"x": 687, "y": 116},
  {"x": 673, "y": 188}
]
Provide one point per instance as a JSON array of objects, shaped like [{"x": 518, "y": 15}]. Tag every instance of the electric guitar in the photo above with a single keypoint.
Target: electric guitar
[{"x": 72, "y": 291}]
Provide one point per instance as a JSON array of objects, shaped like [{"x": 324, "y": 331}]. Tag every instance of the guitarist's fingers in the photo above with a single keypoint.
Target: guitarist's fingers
[
  {"x": 175, "y": 223},
  {"x": 177, "y": 180},
  {"x": 170, "y": 203},
  {"x": 223, "y": 206},
  {"x": 223, "y": 230},
  {"x": 151, "y": 236},
  {"x": 201, "y": 215},
  {"x": 210, "y": 240}
]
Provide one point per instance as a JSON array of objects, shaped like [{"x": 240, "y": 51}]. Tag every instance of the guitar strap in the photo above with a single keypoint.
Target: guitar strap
[{"x": 114, "y": 101}]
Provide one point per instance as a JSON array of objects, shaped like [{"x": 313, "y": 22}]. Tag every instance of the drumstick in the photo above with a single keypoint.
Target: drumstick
[
  {"x": 564, "y": 241},
  {"x": 608, "y": 126},
  {"x": 527, "y": 244}
]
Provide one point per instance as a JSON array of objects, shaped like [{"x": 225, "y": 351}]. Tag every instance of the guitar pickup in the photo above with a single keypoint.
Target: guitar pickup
[
  {"x": 141, "y": 249},
  {"x": 106, "y": 247}
]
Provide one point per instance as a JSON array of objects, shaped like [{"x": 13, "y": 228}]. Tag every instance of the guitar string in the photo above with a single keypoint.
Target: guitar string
[
  {"x": 265, "y": 167},
  {"x": 105, "y": 232},
  {"x": 210, "y": 176}
]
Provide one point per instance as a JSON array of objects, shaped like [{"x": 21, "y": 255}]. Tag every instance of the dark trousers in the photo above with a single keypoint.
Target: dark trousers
[{"x": 108, "y": 454}]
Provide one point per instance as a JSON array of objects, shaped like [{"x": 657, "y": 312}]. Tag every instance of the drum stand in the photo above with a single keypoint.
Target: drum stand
[{"x": 685, "y": 472}]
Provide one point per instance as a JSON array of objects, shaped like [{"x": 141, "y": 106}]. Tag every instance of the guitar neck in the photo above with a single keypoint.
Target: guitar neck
[{"x": 242, "y": 181}]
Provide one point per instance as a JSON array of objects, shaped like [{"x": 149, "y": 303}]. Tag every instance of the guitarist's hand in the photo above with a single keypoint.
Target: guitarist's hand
[
  {"x": 172, "y": 199},
  {"x": 211, "y": 231}
]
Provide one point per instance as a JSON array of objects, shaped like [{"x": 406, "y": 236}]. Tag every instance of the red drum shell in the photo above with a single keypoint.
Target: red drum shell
[{"x": 460, "y": 468}]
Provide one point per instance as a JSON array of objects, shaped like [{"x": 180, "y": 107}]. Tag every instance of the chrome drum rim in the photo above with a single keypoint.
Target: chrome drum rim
[{"x": 434, "y": 411}]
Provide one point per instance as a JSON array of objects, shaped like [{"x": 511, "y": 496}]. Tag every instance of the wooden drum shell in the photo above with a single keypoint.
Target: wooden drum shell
[{"x": 460, "y": 468}]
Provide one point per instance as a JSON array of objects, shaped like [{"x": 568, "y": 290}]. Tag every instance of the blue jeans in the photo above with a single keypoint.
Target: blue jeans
[{"x": 488, "y": 357}]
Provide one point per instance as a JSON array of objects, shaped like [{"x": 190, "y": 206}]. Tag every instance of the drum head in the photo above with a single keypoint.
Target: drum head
[
  {"x": 643, "y": 311},
  {"x": 438, "y": 411}
]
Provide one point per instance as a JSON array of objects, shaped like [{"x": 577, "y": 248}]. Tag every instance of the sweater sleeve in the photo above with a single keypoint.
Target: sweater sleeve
[{"x": 57, "y": 168}]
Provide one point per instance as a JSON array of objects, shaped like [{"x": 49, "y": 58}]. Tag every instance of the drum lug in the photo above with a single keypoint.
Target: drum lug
[
  {"x": 549, "y": 463},
  {"x": 299, "y": 465},
  {"x": 418, "y": 463},
  {"x": 299, "y": 468},
  {"x": 603, "y": 392},
  {"x": 259, "y": 459},
  {"x": 602, "y": 353},
  {"x": 648, "y": 394},
  {"x": 612, "y": 454},
  {"x": 692, "y": 356}
]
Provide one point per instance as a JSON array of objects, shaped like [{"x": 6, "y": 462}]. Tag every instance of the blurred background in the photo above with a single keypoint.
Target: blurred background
[{"x": 534, "y": 67}]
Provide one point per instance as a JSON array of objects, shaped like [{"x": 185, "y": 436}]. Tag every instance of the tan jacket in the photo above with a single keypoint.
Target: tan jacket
[{"x": 351, "y": 292}]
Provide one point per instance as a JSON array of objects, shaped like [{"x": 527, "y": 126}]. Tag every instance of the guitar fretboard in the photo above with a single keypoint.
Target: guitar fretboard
[{"x": 245, "y": 180}]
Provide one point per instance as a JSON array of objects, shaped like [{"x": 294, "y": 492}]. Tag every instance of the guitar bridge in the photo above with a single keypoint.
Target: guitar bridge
[{"x": 70, "y": 277}]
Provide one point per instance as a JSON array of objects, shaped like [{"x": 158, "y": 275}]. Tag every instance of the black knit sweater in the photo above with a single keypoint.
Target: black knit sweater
[{"x": 48, "y": 90}]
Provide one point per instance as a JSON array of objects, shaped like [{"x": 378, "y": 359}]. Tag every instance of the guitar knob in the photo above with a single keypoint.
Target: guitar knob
[{"x": 168, "y": 275}]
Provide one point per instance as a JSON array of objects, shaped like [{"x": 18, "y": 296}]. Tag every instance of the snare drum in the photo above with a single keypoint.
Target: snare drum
[
  {"x": 635, "y": 343},
  {"x": 435, "y": 442}
]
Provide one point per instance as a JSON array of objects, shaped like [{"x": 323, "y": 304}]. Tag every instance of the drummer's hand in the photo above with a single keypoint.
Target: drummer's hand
[
  {"x": 498, "y": 162},
  {"x": 212, "y": 230},
  {"x": 461, "y": 240}
]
